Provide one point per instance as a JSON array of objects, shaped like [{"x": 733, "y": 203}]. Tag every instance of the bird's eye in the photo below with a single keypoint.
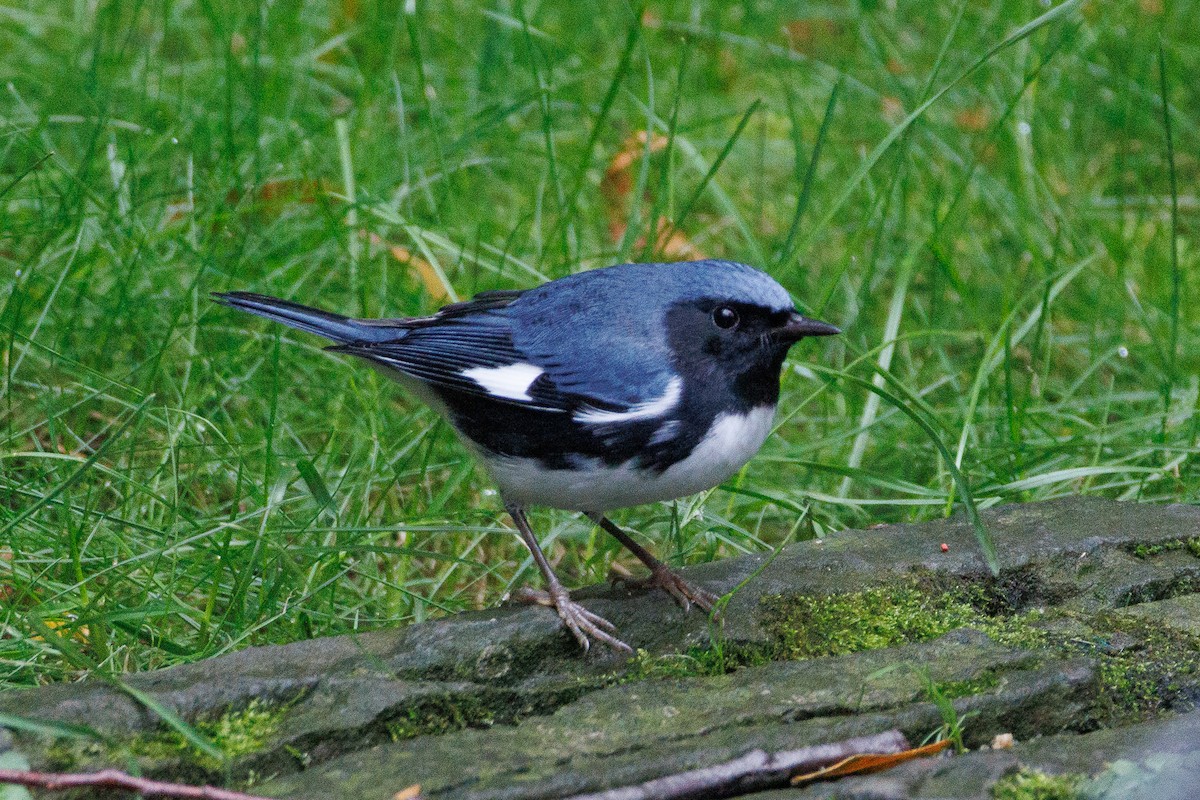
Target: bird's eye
[{"x": 725, "y": 317}]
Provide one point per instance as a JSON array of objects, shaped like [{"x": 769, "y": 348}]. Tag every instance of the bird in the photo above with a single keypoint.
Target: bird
[{"x": 608, "y": 388}]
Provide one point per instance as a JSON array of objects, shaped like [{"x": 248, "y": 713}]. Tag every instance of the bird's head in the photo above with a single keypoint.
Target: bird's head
[{"x": 735, "y": 325}]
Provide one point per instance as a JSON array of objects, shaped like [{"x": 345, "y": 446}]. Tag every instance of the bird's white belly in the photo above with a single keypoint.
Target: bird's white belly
[{"x": 732, "y": 440}]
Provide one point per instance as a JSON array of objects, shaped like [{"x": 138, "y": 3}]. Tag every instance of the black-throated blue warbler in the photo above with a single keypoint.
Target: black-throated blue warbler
[{"x": 604, "y": 389}]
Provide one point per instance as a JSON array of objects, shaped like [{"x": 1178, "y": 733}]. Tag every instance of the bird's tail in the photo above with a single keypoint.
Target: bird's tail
[{"x": 335, "y": 327}]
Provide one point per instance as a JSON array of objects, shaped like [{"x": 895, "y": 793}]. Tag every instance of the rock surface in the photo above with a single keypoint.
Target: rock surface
[{"x": 1084, "y": 648}]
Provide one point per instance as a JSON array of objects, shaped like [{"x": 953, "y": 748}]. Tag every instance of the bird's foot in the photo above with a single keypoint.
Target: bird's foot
[
  {"x": 667, "y": 579},
  {"x": 579, "y": 621}
]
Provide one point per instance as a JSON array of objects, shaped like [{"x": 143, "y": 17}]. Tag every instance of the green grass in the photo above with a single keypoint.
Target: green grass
[{"x": 178, "y": 481}]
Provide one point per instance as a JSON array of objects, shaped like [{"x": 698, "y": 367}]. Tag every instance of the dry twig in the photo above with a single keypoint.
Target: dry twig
[
  {"x": 754, "y": 772},
  {"x": 115, "y": 779}
]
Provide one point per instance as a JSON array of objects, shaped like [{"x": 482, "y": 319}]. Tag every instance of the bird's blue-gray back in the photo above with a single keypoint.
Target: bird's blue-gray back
[{"x": 555, "y": 328}]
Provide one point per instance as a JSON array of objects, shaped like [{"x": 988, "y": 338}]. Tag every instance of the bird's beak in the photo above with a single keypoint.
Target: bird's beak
[{"x": 798, "y": 326}]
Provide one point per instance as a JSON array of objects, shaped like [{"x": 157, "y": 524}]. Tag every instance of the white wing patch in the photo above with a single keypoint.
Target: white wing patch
[
  {"x": 647, "y": 410},
  {"x": 511, "y": 381}
]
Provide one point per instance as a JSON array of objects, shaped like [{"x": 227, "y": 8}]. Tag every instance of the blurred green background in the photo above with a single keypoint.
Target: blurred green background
[{"x": 1002, "y": 224}]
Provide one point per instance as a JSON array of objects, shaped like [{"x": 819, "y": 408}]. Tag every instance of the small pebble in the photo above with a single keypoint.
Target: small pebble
[{"x": 1003, "y": 741}]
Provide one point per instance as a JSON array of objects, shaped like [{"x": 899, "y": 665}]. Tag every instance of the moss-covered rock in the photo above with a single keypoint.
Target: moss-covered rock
[{"x": 1089, "y": 628}]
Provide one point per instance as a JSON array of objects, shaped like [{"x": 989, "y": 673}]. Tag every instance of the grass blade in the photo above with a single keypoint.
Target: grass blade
[
  {"x": 982, "y": 536},
  {"x": 810, "y": 174},
  {"x": 1176, "y": 275}
]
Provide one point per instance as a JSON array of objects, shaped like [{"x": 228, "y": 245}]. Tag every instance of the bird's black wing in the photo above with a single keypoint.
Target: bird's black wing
[
  {"x": 483, "y": 348},
  {"x": 467, "y": 348}
]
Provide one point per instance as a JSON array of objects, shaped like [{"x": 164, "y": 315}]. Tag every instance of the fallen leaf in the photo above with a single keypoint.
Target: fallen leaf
[
  {"x": 408, "y": 793},
  {"x": 286, "y": 190},
  {"x": 270, "y": 199},
  {"x": 425, "y": 271},
  {"x": 617, "y": 185},
  {"x": 805, "y": 35},
  {"x": 869, "y": 762},
  {"x": 617, "y": 182},
  {"x": 973, "y": 120},
  {"x": 274, "y": 197},
  {"x": 672, "y": 243},
  {"x": 79, "y": 634},
  {"x": 6, "y": 590}
]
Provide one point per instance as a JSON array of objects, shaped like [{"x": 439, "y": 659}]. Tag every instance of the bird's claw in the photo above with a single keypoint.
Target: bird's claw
[
  {"x": 579, "y": 621},
  {"x": 685, "y": 594}
]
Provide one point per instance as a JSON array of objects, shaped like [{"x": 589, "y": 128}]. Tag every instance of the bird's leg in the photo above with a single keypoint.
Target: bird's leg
[
  {"x": 661, "y": 576},
  {"x": 581, "y": 622}
]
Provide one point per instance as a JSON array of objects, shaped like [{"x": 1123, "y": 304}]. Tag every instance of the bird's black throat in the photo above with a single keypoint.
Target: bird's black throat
[{"x": 733, "y": 371}]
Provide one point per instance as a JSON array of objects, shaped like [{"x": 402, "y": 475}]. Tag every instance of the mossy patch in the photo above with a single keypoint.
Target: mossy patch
[
  {"x": 453, "y": 711},
  {"x": 808, "y": 626},
  {"x": 1159, "y": 671},
  {"x": 720, "y": 659},
  {"x": 1023, "y": 631},
  {"x": 241, "y": 732},
  {"x": 1145, "y": 551},
  {"x": 984, "y": 682},
  {"x": 440, "y": 715},
  {"x": 234, "y": 733},
  {"x": 1028, "y": 784},
  {"x": 695, "y": 662}
]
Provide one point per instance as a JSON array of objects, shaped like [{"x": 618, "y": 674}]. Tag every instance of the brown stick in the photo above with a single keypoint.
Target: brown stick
[
  {"x": 756, "y": 771},
  {"x": 115, "y": 779}
]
